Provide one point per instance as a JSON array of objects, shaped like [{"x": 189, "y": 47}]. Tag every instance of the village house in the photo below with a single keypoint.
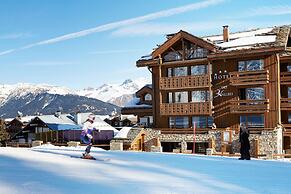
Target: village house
[
  {"x": 203, "y": 88},
  {"x": 141, "y": 106}
]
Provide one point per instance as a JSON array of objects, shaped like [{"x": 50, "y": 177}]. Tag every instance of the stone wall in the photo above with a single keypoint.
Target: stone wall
[
  {"x": 269, "y": 143},
  {"x": 213, "y": 136}
]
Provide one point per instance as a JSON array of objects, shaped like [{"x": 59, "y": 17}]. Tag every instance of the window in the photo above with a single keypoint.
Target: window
[
  {"x": 200, "y": 96},
  {"x": 202, "y": 121},
  {"x": 170, "y": 72},
  {"x": 289, "y": 117},
  {"x": 193, "y": 51},
  {"x": 180, "y": 71},
  {"x": 288, "y": 68},
  {"x": 255, "y": 93},
  {"x": 199, "y": 70},
  {"x": 179, "y": 122},
  {"x": 173, "y": 56},
  {"x": 170, "y": 97},
  {"x": 181, "y": 97},
  {"x": 148, "y": 97},
  {"x": 289, "y": 92},
  {"x": 255, "y": 121},
  {"x": 252, "y": 65}
]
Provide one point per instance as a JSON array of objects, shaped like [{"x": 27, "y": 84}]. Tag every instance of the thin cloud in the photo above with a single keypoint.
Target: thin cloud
[
  {"x": 114, "y": 25},
  {"x": 14, "y": 36},
  {"x": 150, "y": 29}
]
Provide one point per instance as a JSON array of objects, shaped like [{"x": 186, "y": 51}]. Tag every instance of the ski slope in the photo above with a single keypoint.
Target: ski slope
[{"x": 51, "y": 169}]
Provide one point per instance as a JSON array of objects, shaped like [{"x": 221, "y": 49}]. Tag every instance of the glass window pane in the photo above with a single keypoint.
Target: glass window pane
[
  {"x": 198, "y": 70},
  {"x": 148, "y": 97},
  {"x": 170, "y": 97},
  {"x": 241, "y": 66},
  {"x": 289, "y": 117},
  {"x": 200, "y": 121},
  {"x": 199, "y": 96},
  {"x": 289, "y": 68},
  {"x": 289, "y": 92},
  {"x": 172, "y": 122},
  {"x": 243, "y": 119},
  {"x": 172, "y": 56},
  {"x": 210, "y": 121},
  {"x": 251, "y": 65},
  {"x": 255, "y": 93},
  {"x": 181, "y": 97},
  {"x": 182, "y": 122},
  {"x": 170, "y": 72},
  {"x": 255, "y": 121},
  {"x": 254, "y": 65},
  {"x": 180, "y": 71}
]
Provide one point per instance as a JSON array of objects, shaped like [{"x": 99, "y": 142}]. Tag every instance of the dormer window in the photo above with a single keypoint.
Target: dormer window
[{"x": 148, "y": 97}]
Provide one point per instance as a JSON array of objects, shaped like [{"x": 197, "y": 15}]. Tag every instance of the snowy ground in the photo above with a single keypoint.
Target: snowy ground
[{"x": 50, "y": 169}]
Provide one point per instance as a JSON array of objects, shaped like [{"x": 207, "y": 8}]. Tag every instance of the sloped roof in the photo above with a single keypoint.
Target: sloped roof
[
  {"x": 182, "y": 34},
  {"x": 261, "y": 38},
  {"x": 62, "y": 122},
  {"x": 102, "y": 125},
  {"x": 252, "y": 39}
]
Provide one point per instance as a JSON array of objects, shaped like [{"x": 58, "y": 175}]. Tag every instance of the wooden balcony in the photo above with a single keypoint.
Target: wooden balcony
[
  {"x": 249, "y": 106},
  {"x": 285, "y": 103},
  {"x": 179, "y": 109},
  {"x": 185, "y": 82},
  {"x": 285, "y": 78},
  {"x": 249, "y": 78}
]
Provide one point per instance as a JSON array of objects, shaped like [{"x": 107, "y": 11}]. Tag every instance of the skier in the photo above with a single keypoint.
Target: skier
[
  {"x": 245, "y": 143},
  {"x": 87, "y": 135}
]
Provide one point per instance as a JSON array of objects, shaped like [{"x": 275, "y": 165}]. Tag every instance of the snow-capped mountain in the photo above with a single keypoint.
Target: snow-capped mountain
[
  {"x": 118, "y": 94},
  {"x": 45, "y": 99}
]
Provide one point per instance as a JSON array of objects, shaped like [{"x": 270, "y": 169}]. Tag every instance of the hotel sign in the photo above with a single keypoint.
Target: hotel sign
[{"x": 221, "y": 91}]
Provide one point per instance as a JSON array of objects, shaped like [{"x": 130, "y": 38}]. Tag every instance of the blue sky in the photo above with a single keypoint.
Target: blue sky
[{"x": 86, "y": 43}]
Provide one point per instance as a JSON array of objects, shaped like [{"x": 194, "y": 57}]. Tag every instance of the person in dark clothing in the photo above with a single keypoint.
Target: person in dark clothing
[{"x": 244, "y": 142}]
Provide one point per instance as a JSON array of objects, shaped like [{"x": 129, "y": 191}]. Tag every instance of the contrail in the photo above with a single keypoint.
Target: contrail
[{"x": 118, "y": 24}]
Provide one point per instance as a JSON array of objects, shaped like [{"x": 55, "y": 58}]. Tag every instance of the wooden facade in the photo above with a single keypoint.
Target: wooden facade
[
  {"x": 251, "y": 85},
  {"x": 142, "y": 109}
]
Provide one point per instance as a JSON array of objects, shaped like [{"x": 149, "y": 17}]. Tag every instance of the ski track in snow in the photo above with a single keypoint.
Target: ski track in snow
[{"x": 51, "y": 169}]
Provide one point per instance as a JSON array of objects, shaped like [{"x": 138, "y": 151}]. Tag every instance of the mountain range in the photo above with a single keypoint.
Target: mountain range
[{"x": 31, "y": 99}]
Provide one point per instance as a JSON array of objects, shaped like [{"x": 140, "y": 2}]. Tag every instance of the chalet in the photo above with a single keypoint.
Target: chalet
[
  {"x": 204, "y": 87},
  {"x": 17, "y": 124},
  {"x": 141, "y": 106}
]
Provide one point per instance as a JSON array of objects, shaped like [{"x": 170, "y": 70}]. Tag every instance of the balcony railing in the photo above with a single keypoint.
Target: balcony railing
[
  {"x": 201, "y": 108},
  {"x": 249, "y": 77},
  {"x": 285, "y": 103},
  {"x": 286, "y": 78},
  {"x": 249, "y": 106},
  {"x": 241, "y": 107},
  {"x": 197, "y": 81}
]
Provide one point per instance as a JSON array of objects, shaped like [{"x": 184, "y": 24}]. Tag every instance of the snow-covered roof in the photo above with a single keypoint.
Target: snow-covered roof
[
  {"x": 103, "y": 126},
  {"x": 252, "y": 39},
  {"x": 52, "y": 119},
  {"x": 276, "y": 36},
  {"x": 61, "y": 122},
  {"x": 25, "y": 119},
  {"x": 123, "y": 132}
]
